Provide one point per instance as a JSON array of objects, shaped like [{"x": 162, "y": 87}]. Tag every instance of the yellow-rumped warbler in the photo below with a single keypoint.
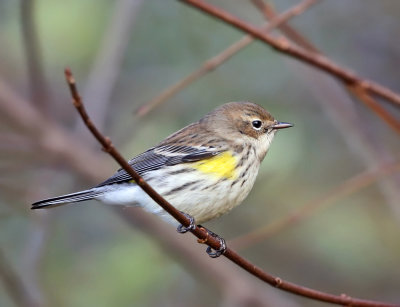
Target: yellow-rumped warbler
[{"x": 204, "y": 169}]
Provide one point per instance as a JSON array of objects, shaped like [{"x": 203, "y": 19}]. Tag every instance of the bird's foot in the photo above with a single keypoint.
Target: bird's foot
[
  {"x": 210, "y": 251},
  {"x": 192, "y": 225}
]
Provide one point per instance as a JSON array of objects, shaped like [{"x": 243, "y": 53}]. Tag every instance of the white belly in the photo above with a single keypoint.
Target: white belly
[{"x": 193, "y": 193}]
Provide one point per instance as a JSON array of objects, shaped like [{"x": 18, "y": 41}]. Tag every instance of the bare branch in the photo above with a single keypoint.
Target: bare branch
[{"x": 199, "y": 232}]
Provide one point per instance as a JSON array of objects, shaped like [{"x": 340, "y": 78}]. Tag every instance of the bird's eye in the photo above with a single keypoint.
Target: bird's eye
[{"x": 256, "y": 124}]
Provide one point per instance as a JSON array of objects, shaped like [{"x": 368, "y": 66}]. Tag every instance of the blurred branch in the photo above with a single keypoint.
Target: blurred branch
[
  {"x": 284, "y": 46},
  {"x": 270, "y": 14},
  {"x": 49, "y": 137},
  {"x": 199, "y": 232},
  {"x": 222, "y": 57},
  {"x": 14, "y": 285},
  {"x": 106, "y": 69},
  {"x": 340, "y": 108},
  {"x": 39, "y": 96},
  {"x": 340, "y": 191},
  {"x": 110, "y": 149},
  {"x": 36, "y": 77}
]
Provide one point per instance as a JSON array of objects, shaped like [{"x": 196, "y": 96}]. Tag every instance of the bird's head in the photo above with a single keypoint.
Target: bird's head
[{"x": 245, "y": 123}]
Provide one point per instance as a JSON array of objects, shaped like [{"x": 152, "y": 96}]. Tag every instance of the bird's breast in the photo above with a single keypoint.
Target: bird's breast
[
  {"x": 206, "y": 189},
  {"x": 221, "y": 166}
]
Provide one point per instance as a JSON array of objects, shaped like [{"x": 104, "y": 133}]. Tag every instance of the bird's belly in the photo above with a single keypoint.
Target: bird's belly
[{"x": 200, "y": 195}]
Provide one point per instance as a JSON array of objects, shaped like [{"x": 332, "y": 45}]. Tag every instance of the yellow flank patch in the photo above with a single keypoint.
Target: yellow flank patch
[{"x": 222, "y": 165}]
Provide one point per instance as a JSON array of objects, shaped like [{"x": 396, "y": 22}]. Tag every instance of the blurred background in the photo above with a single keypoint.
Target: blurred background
[{"x": 324, "y": 212}]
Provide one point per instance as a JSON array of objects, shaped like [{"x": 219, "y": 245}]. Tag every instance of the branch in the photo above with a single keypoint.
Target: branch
[
  {"x": 198, "y": 232},
  {"x": 219, "y": 59},
  {"x": 282, "y": 45},
  {"x": 230, "y": 281}
]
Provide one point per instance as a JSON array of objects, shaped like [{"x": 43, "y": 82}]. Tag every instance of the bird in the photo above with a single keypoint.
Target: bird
[{"x": 204, "y": 169}]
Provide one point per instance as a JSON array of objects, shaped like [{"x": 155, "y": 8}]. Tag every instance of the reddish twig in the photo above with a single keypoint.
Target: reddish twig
[
  {"x": 109, "y": 148},
  {"x": 282, "y": 45},
  {"x": 198, "y": 232},
  {"x": 222, "y": 57}
]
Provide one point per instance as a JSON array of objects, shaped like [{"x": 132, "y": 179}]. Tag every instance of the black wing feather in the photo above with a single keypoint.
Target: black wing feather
[
  {"x": 155, "y": 158},
  {"x": 198, "y": 156}
]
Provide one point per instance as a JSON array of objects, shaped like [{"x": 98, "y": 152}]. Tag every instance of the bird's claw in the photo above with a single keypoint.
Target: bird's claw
[
  {"x": 192, "y": 225},
  {"x": 220, "y": 251},
  {"x": 210, "y": 251}
]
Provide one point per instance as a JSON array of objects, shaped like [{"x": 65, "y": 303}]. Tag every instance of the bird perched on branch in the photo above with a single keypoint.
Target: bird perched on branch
[{"x": 203, "y": 170}]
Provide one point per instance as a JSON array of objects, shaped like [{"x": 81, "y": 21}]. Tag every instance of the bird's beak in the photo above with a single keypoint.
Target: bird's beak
[{"x": 281, "y": 125}]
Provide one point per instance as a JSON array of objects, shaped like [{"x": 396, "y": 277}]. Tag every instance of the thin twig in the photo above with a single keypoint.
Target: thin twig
[
  {"x": 198, "y": 232},
  {"x": 222, "y": 57},
  {"x": 340, "y": 191},
  {"x": 284, "y": 46},
  {"x": 110, "y": 149},
  {"x": 94, "y": 169},
  {"x": 270, "y": 14}
]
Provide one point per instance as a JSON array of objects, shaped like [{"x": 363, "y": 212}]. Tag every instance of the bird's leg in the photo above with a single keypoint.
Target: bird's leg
[
  {"x": 222, "y": 243},
  {"x": 192, "y": 225}
]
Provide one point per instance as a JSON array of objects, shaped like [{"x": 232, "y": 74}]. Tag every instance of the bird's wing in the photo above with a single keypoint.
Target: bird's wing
[{"x": 156, "y": 157}]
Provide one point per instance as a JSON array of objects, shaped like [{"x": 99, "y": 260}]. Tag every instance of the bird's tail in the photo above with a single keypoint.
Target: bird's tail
[{"x": 65, "y": 199}]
